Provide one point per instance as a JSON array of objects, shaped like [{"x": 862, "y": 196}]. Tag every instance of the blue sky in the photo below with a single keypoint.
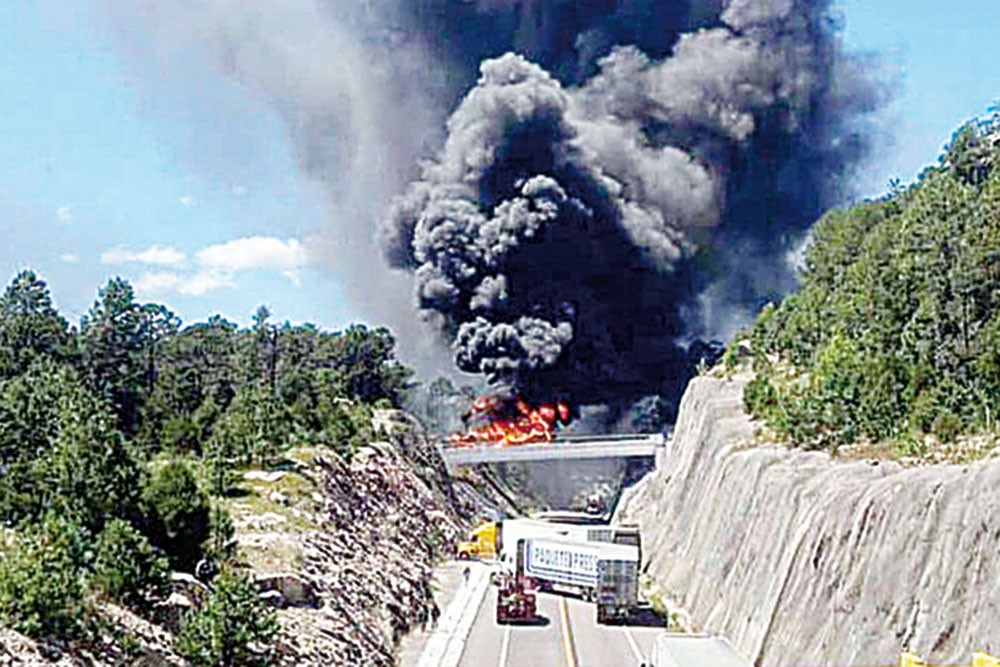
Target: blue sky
[
  {"x": 944, "y": 55},
  {"x": 95, "y": 181},
  {"x": 91, "y": 181}
]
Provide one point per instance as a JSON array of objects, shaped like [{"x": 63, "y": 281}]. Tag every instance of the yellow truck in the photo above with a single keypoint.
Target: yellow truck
[{"x": 482, "y": 543}]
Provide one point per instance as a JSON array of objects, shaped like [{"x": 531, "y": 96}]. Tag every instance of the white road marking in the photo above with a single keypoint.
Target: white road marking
[
  {"x": 632, "y": 643},
  {"x": 505, "y": 646}
]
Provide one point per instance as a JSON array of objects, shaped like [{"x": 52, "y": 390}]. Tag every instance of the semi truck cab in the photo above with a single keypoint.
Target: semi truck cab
[{"x": 482, "y": 543}]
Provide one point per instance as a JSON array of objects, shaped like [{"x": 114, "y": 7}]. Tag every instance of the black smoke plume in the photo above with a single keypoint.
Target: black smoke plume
[
  {"x": 638, "y": 185},
  {"x": 618, "y": 178}
]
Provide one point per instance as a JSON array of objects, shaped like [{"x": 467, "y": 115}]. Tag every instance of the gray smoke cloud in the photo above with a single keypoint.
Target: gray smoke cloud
[
  {"x": 336, "y": 75},
  {"x": 575, "y": 233},
  {"x": 607, "y": 180}
]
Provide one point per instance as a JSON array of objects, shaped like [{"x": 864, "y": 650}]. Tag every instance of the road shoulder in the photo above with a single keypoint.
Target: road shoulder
[{"x": 442, "y": 646}]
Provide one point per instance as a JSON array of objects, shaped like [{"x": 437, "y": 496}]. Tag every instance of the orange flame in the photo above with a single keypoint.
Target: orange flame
[{"x": 526, "y": 425}]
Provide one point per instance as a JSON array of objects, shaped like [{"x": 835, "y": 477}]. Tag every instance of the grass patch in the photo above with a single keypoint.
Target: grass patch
[{"x": 270, "y": 508}]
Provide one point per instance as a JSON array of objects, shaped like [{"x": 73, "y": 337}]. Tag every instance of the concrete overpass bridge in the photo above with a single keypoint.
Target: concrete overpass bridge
[{"x": 562, "y": 448}]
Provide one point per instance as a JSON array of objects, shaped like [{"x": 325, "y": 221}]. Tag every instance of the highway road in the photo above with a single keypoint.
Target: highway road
[{"x": 565, "y": 635}]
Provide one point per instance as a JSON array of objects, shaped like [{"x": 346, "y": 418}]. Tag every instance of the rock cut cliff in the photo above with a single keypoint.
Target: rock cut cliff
[{"x": 799, "y": 559}]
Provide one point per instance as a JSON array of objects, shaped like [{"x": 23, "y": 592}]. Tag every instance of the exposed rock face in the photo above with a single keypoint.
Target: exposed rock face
[
  {"x": 371, "y": 563},
  {"x": 287, "y": 589},
  {"x": 151, "y": 644},
  {"x": 799, "y": 559}
]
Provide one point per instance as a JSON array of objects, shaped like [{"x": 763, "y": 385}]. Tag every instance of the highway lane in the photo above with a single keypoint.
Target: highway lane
[
  {"x": 607, "y": 645},
  {"x": 565, "y": 635},
  {"x": 514, "y": 645}
]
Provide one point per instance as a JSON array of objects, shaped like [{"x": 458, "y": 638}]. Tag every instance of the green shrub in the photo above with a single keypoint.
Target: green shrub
[
  {"x": 127, "y": 568},
  {"x": 946, "y": 426},
  {"x": 256, "y": 427},
  {"x": 91, "y": 472},
  {"x": 222, "y": 544},
  {"x": 731, "y": 356},
  {"x": 41, "y": 589},
  {"x": 180, "y": 433},
  {"x": 61, "y": 450},
  {"x": 222, "y": 475},
  {"x": 178, "y": 514},
  {"x": 923, "y": 411},
  {"x": 347, "y": 427},
  {"x": 231, "y": 627},
  {"x": 759, "y": 395}
]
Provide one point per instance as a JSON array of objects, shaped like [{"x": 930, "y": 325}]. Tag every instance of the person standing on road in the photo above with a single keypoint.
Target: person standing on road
[
  {"x": 423, "y": 617},
  {"x": 465, "y": 574},
  {"x": 435, "y": 613},
  {"x": 425, "y": 608}
]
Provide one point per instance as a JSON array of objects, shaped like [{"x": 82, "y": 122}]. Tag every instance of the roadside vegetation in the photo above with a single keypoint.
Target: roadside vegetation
[
  {"x": 123, "y": 440},
  {"x": 895, "y": 331}
]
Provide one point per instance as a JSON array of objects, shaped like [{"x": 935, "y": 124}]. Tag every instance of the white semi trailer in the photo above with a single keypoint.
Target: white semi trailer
[
  {"x": 513, "y": 530},
  {"x": 603, "y": 572}
]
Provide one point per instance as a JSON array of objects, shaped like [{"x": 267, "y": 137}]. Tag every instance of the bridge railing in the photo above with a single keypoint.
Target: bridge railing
[
  {"x": 578, "y": 447},
  {"x": 657, "y": 439}
]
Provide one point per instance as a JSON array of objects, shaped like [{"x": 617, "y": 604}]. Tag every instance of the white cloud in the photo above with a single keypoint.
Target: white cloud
[
  {"x": 239, "y": 190},
  {"x": 216, "y": 266},
  {"x": 64, "y": 213},
  {"x": 205, "y": 281},
  {"x": 187, "y": 201},
  {"x": 157, "y": 282},
  {"x": 154, "y": 255},
  {"x": 69, "y": 257},
  {"x": 196, "y": 284},
  {"x": 256, "y": 252}
]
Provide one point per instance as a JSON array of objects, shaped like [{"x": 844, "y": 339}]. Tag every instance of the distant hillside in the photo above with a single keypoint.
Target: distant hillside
[{"x": 895, "y": 331}]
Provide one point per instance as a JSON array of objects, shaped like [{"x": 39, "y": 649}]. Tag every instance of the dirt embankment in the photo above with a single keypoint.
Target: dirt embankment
[{"x": 802, "y": 559}]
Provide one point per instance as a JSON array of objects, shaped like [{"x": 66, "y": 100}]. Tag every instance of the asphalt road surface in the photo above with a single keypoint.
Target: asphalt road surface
[{"x": 566, "y": 634}]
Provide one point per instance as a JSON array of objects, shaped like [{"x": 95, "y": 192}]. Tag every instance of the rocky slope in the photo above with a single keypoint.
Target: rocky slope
[
  {"x": 801, "y": 559},
  {"x": 382, "y": 519},
  {"x": 343, "y": 549}
]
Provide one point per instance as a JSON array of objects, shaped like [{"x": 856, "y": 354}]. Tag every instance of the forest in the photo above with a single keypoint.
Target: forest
[
  {"x": 894, "y": 332},
  {"x": 118, "y": 437}
]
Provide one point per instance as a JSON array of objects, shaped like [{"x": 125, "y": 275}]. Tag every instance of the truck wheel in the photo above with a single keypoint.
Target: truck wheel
[{"x": 463, "y": 555}]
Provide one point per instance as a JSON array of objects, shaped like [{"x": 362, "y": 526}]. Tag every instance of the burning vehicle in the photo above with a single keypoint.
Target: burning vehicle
[{"x": 509, "y": 421}]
